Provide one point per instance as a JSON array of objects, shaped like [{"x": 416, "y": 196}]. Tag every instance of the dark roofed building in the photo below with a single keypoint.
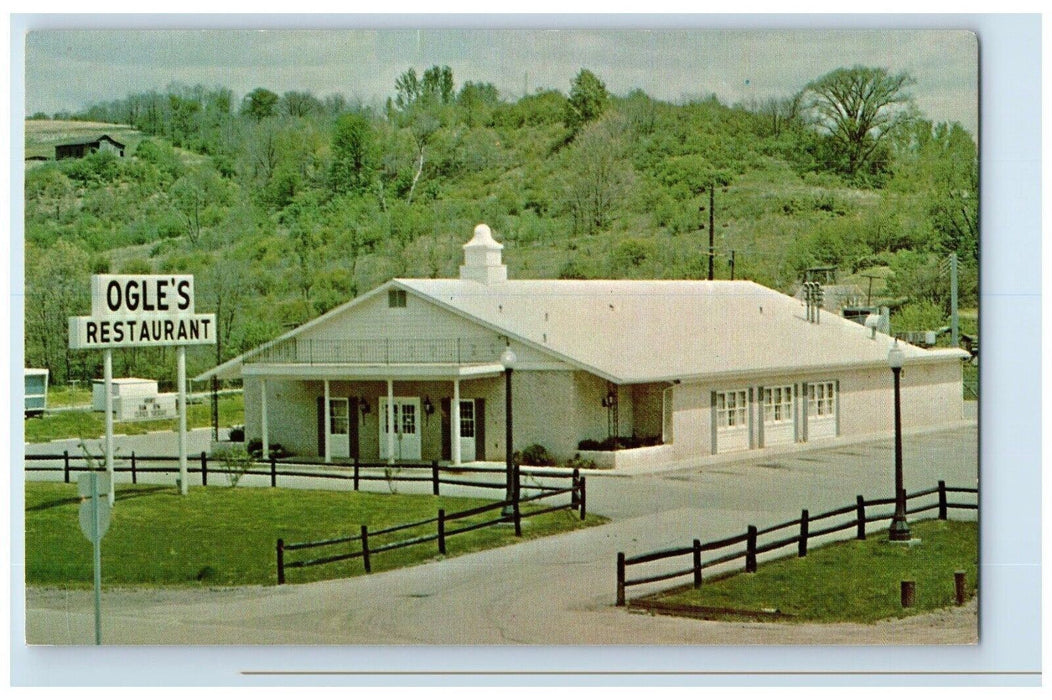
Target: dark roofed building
[{"x": 80, "y": 149}]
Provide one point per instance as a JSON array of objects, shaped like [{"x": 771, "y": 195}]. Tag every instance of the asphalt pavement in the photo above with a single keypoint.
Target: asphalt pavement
[{"x": 554, "y": 590}]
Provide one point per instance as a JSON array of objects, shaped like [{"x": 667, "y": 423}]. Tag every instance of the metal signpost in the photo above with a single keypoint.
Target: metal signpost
[
  {"x": 94, "y": 522},
  {"x": 130, "y": 311}
]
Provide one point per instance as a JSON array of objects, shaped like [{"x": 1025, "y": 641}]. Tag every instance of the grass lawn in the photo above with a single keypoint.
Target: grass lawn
[
  {"x": 227, "y": 536},
  {"x": 88, "y": 425},
  {"x": 69, "y": 395},
  {"x": 853, "y": 581}
]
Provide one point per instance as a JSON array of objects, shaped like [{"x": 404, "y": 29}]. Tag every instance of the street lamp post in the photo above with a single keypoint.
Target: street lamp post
[
  {"x": 900, "y": 529},
  {"x": 511, "y": 495}
]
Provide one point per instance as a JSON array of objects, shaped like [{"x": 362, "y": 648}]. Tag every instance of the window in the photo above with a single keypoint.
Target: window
[
  {"x": 339, "y": 420},
  {"x": 778, "y": 404},
  {"x": 731, "y": 409},
  {"x": 396, "y": 299},
  {"x": 467, "y": 419},
  {"x": 408, "y": 419},
  {"x": 821, "y": 399}
]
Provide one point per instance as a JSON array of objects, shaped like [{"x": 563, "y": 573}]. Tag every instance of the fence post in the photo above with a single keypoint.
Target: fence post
[
  {"x": 65, "y": 465},
  {"x": 516, "y": 515},
  {"x": 355, "y": 473},
  {"x": 365, "y": 549},
  {"x": 441, "y": 530},
  {"x": 204, "y": 469},
  {"x": 281, "y": 561},
  {"x": 908, "y": 593},
  {"x": 801, "y": 550},
  {"x": 750, "y": 551},
  {"x": 942, "y": 500},
  {"x": 273, "y": 472},
  {"x": 583, "y": 497},
  {"x": 574, "y": 479},
  {"x": 434, "y": 477},
  {"x": 860, "y": 517},
  {"x": 135, "y": 478},
  {"x": 697, "y": 563},
  {"x": 958, "y": 585},
  {"x": 621, "y": 578}
]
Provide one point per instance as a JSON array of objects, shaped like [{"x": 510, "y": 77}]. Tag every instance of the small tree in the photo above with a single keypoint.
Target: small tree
[
  {"x": 588, "y": 100},
  {"x": 353, "y": 153},
  {"x": 260, "y": 104}
]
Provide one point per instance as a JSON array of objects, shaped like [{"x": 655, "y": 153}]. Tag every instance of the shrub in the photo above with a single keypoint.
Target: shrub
[
  {"x": 237, "y": 434},
  {"x": 255, "y": 448},
  {"x": 577, "y": 462},
  {"x": 625, "y": 442},
  {"x": 535, "y": 456}
]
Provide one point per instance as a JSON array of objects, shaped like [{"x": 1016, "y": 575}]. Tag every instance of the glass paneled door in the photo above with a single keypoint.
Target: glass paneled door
[
  {"x": 339, "y": 429},
  {"x": 406, "y": 428},
  {"x": 467, "y": 430}
]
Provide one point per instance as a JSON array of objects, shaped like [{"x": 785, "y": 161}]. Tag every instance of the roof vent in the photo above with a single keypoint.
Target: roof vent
[{"x": 482, "y": 258}]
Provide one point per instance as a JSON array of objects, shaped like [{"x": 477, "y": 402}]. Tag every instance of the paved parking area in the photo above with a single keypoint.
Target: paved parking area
[{"x": 557, "y": 590}]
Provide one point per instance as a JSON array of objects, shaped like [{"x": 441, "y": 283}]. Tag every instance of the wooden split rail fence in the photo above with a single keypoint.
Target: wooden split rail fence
[
  {"x": 363, "y": 545},
  {"x": 805, "y": 530},
  {"x": 354, "y": 471}
]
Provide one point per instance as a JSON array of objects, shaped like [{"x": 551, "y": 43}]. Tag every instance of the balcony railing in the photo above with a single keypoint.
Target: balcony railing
[{"x": 379, "y": 351}]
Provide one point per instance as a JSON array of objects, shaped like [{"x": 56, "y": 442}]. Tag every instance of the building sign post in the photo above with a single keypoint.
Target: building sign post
[{"x": 129, "y": 311}]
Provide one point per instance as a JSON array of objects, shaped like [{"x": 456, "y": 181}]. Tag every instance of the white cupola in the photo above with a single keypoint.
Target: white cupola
[{"x": 482, "y": 258}]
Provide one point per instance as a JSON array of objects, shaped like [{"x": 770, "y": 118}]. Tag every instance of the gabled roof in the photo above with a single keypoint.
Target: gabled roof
[
  {"x": 88, "y": 141},
  {"x": 636, "y": 331},
  {"x": 631, "y": 331}
]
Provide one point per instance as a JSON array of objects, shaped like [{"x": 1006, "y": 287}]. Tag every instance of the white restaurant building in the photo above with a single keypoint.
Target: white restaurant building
[{"x": 700, "y": 367}]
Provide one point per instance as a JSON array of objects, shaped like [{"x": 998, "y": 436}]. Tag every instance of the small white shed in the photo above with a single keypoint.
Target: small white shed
[
  {"x": 36, "y": 391},
  {"x": 133, "y": 399}
]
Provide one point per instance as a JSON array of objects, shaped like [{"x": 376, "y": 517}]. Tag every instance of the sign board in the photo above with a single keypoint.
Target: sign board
[
  {"x": 99, "y": 485},
  {"x": 100, "y": 332},
  {"x": 129, "y": 311},
  {"x": 141, "y": 295}
]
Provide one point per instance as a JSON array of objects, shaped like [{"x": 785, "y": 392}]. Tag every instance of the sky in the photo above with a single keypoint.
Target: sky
[{"x": 70, "y": 68}]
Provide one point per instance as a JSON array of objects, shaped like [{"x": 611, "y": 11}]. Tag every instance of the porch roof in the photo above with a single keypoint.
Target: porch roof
[{"x": 373, "y": 372}]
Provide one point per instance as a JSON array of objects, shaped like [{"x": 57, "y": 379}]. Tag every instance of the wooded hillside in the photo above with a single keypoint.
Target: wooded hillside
[{"x": 284, "y": 206}]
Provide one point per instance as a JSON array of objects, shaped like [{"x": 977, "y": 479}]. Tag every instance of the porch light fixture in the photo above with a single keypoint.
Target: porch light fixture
[
  {"x": 609, "y": 400},
  {"x": 429, "y": 407},
  {"x": 900, "y": 529},
  {"x": 363, "y": 406}
]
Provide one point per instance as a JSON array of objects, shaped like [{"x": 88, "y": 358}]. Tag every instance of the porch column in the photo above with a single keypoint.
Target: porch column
[
  {"x": 390, "y": 422},
  {"x": 455, "y": 420},
  {"x": 328, "y": 423},
  {"x": 263, "y": 415}
]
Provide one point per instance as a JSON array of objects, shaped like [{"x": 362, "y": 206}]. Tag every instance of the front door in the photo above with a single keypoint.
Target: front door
[
  {"x": 406, "y": 428},
  {"x": 339, "y": 429},
  {"x": 467, "y": 430}
]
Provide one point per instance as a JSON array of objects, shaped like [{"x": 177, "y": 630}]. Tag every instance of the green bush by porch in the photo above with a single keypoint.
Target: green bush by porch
[{"x": 226, "y": 536}]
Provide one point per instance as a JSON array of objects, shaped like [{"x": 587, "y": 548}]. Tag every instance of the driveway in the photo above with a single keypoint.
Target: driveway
[{"x": 556, "y": 590}]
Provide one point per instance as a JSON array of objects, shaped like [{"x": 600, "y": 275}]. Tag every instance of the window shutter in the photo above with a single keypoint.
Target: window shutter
[
  {"x": 715, "y": 419},
  {"x": 480, "y": 429},
  {"x": 321, "y": 426},
  {"x": 352, "y": 426},
  {"x": 447, "y": 429}
]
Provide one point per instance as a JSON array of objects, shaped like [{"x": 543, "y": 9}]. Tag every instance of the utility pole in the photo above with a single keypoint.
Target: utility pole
[
  {"x": 712, "y": 230},
  {"x": 869, "y": 294},
  {"x": 954, "y": 330},
  {"x": 732, "y": 265}
]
